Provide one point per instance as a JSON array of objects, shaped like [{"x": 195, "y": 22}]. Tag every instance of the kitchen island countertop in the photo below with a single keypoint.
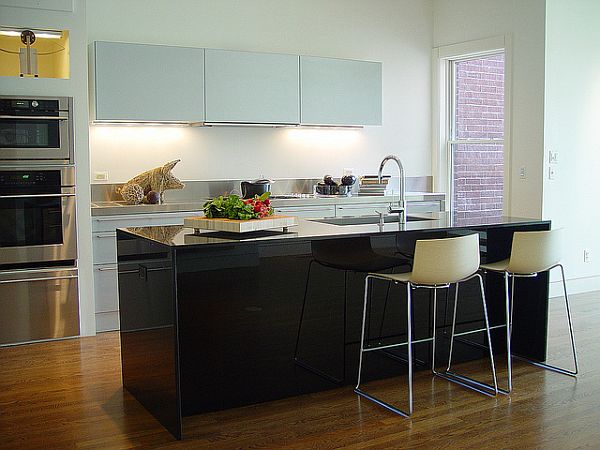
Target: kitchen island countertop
[{"x": 179, "y": 236}]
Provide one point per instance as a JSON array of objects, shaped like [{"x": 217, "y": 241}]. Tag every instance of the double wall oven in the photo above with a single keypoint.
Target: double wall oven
[{"x": 38, "y": 233}]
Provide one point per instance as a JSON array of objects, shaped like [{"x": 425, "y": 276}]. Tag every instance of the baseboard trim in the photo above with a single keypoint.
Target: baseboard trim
[{"x": 575, "y": 286}]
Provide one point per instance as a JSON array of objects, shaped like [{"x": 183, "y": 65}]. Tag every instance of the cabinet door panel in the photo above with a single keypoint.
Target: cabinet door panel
[
  {"x": 139, "y": 82},
  {"x": 252, "y": 87},
  {"x": 105, "y": 287},
  {"x": 307, "y": 212},
  {"x": 340, "y": 91}
]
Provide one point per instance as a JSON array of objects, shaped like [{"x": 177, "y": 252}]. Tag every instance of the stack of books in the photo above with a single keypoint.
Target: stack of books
[{"x": 370, "y": 185}]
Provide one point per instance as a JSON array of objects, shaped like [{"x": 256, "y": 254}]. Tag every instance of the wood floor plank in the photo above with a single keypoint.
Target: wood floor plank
[{"x": 68, "y": 394}]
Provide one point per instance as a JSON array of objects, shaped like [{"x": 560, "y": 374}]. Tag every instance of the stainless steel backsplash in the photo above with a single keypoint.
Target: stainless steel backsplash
[{"x": 212, "y": 188}]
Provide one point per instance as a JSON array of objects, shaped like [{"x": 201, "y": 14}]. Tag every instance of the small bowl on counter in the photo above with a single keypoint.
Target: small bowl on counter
[{"x": 338, "y": 190}]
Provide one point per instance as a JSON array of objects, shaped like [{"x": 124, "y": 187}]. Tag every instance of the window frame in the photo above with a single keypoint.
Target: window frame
[{"x": 443, "y": 59}]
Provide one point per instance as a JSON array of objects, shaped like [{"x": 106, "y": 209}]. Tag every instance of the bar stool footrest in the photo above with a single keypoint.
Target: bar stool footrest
[
  {"x": 547, "y": 366},
  {"x": 470, "y": 383},
  {"x": 381, "y": 403}
]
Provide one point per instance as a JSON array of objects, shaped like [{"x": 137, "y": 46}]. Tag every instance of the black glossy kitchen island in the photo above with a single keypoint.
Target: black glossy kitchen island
[{"x": 210, "y": 321}]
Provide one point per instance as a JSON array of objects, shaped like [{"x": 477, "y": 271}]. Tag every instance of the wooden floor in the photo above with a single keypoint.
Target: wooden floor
[{"x": 68, "y": 394}]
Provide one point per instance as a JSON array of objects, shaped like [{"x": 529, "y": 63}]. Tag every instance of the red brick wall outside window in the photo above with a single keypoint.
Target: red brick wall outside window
[{"x": 478, "y": 169}]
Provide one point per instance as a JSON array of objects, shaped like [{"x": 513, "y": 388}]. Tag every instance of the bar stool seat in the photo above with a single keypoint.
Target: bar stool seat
[
  {"x": 438, "y": 263},
  {"x": 532, "y": 252}
]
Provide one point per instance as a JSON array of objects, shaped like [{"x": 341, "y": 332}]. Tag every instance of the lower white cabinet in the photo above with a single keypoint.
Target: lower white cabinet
[
  {"x": 307, "y": 212},
  {"x": 106, "y": 291},
  {"x": 106, "y": 294},
  {"x": 361, "y": 210}
]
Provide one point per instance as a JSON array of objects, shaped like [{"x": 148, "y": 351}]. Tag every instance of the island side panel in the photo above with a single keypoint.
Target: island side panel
[
  {"x": 530, "y": 314},
  {"x": 239, "y": 309},
  {"x": 149, "y": 353}
]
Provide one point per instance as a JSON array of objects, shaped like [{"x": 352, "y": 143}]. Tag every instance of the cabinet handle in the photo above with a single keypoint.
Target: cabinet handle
[
  {"x": 37, "y": 195},
  {"x": 10, "y": 116},
  {"x": 107, "y": 235},
  {"x": 27, "y": 280},
  {"x": 105, "y": 269}
]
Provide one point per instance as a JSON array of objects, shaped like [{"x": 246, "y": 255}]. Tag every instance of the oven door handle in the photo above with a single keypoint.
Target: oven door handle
[
  {"x": 8, "y": 116},
  {"x": 36, "y": 195},
  {"x": 26, "y": 280}
]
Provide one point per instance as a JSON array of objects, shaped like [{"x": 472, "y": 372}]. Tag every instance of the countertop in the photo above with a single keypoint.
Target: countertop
[
  {"x": 112, "y": 208},
  {"x": 178, "y": 236}
]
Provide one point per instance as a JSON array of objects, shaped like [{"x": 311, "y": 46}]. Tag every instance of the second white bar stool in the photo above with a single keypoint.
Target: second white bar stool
[
  {"x": 438, "y": 263},
  {"x": 532, "y": 252}
]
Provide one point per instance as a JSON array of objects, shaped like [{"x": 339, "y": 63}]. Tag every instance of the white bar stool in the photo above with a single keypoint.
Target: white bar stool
[
  {"x": 438, "y": 263},
  {"x": 532, "y": 252}
]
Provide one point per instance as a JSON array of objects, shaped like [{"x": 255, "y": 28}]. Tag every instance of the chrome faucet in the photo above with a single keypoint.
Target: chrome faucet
[{"x": 401, "y": 208}]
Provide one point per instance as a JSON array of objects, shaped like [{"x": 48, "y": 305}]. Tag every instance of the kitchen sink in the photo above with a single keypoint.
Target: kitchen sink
[{"x": 367, "y": 220}]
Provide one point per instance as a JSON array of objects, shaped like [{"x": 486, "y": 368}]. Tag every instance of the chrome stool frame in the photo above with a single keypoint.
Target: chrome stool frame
[
  {"x": 509, "y": 297},
  {"x": 532, "y": 252},
  {"x": 467, "y": 382}
]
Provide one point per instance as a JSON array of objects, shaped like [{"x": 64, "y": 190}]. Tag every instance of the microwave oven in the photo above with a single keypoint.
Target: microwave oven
[{"x": 36, "y": 130}]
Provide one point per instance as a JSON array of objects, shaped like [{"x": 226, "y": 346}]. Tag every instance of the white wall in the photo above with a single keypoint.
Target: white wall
[
  {"x": 75, "y": 87},
  {"x": 523, "y": 21},
  {"x": 395, "y": 32},
  {"x": 571, "y": 127}
]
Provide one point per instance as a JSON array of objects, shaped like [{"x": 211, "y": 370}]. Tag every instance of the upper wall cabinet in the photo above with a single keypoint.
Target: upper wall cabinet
[
  {"x": 340, "y": 91},
  {"x": 247, "y": 87},
  {"x": 139, "y": 82}
]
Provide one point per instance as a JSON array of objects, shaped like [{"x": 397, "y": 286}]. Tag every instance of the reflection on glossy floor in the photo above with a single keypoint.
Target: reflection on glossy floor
[{"x": 69, "y": 393}]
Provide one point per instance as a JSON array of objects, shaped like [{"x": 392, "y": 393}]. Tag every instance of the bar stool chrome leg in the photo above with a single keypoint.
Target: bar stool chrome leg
[
  {"x": 572, "y": 373},
  {"x": 508, "y": 329},
  {"x": 357, "y": 389},
  {"x": 483, "y": 388}
]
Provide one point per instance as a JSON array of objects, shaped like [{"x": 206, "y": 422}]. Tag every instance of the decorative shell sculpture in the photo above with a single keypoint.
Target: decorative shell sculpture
[
  {"x": 158, "y": 180},
  {"x": 133, "y": 194}
]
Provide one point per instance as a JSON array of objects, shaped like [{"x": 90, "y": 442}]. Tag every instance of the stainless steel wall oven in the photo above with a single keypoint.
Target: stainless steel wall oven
[
  {"x": 36, "y": 129},
  {"x": 37, "y": 219}
]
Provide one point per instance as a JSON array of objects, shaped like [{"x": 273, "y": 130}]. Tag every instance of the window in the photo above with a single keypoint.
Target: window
[
  {"x": 470, "y": 161},
  {"x": 477, "y": 135}
]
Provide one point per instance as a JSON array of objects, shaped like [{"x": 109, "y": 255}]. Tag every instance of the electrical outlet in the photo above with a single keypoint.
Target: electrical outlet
[
  {"x": 552, "y": 157},
  {"x": 587, "y": 256},
  {"x": 523, "y": 172},
  {"x": 101, "y": 176},
  {"x": 551, "y": 173}
]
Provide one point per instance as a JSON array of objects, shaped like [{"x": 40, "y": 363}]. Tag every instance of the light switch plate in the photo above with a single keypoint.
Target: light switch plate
[
  {"x": 523, "y": 172},
  {"x": 552, "y": 157},
  {"x": 100, "y": 176}
]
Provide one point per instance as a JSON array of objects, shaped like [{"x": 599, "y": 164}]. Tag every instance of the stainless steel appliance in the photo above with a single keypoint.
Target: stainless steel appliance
[
  {"x": 37, "y": 222},
  {"x": 38, "y": 304},
  {"x": 36, "y": 130},
  {"x": 38, "y": 253}
]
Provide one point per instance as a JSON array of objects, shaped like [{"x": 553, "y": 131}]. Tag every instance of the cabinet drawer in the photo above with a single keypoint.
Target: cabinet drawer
[
  {"x": 308, "y": 212},
  {"x": 105, "y": 247},
  {"x": 106, "y": 291},
  {"x": 111, "y": 223},
  {"x": 361, "y": 210},
  {"x": 108, "y": 321},
  {"x": 417, "y": 207}
]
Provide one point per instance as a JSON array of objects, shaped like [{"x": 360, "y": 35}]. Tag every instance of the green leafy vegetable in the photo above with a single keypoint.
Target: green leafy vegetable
[{"x": 233, "y": 207}]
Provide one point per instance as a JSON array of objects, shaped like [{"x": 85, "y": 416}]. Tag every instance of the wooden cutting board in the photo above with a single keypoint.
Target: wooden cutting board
[{"x": 240, "y": 226}]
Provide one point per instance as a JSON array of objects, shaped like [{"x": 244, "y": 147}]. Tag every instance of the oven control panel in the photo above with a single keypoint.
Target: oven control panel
[{"x": 10, "y": 179}]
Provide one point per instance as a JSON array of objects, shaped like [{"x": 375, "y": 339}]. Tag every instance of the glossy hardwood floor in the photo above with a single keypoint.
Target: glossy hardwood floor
[{"x": 68, "y": 394}]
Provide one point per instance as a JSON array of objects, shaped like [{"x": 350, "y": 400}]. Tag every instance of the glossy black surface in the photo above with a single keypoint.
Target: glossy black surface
[
  {"x": 149, "y": 353},
  {"x": 209, "y": 321}
]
